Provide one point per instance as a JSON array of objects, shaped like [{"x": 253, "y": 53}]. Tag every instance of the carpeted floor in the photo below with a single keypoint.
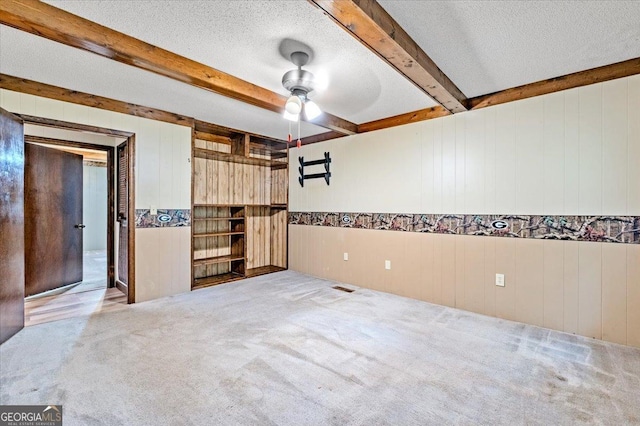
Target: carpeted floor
[{"x": 287, "y": 349}]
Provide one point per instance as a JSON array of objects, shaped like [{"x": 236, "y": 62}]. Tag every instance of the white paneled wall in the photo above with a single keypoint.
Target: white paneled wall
[
  {"x": 575, "y": 152},
  {"x": 163, "y": 180},
  {"x": 94, "y": 211}
]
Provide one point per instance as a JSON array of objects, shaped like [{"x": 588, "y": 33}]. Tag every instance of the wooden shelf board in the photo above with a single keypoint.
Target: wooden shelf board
[
  {"x": 218, "y": 234},
  {"x": 216, "y": 259},
  {"x": 262, "y": 270},
  {"x": 278, "y": 206},
  {"x": 219, "y": 205},
  {"x": 215, "y": 280},
  {"x": 224, "y": 156},
  {"x": 272, "y": 153}
]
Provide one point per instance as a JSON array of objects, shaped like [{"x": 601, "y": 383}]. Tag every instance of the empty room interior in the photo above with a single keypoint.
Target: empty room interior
[{"x": 312, "y": 212}]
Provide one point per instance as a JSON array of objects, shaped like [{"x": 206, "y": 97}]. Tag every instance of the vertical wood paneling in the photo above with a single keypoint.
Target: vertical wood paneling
[
  {"x": 506, "y": 264},
  {"x": 474, "y": 162},
  {"x": 572, "y": 151},
  {"x": 448, "y": 269},
  {"x": 427, "y": 165},
  {"x": 448, "y": 165},
  {"x": 614, "y": 147},
  {"x": 614, "y": 293},
  {"x": 571, "y": 286},
  {"x": 633, "y": 295},
  {"x": 553, "y": 284},
  {"x": 529, "y": 159},
  {"x": 421, "y": 251},
  {"x": 590, "y": 150},
  {"x": 460, "y": 272},
  {"x": 437, "y": 168},
  {"x": 436, "y": 272},
  {"x": 633, "y": 146},
  {"x": 505, "y": 159},
  {"x": 490, "y": 161},
  {"x": 489, "y": 276},
  {"x": 474, "y": 273},
  {"x": 553, "y": 154},
  {"x": 530, "y": 281},
  {"x": 460, "y": 141},
  {"x": 590, "y": 290}
]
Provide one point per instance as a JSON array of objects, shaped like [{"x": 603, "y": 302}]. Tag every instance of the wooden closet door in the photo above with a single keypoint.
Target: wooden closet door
[{"x": 12, "y": 225}]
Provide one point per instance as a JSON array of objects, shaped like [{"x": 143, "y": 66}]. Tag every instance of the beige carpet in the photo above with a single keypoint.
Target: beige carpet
[{"x": 287, "y": 349}]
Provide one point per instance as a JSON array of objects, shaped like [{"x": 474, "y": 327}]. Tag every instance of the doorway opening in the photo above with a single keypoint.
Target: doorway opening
[{"x": 94, "y": 268}]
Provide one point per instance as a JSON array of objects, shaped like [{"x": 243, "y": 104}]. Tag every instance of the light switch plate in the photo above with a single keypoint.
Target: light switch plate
[
  {"x": 154, "y": 210},
  {"x": 387, "y": 264},
  {"x": 500, "y": 280},
  {"x": 346, "y": 256}
]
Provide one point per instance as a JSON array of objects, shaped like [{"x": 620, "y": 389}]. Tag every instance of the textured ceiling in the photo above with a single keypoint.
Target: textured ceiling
[
  {"x": 35, "y": 58},
  {"x": 485, "y": 46},
  {"x": 482, "y": 46},
  {"x": 242, "y": 39}
]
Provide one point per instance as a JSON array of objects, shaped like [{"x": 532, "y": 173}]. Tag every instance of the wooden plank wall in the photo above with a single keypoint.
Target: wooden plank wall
[
  {"x": 279, "y": 238},
  {"x": 279, "y": 184},
  {"x": 258, "y": 223}
]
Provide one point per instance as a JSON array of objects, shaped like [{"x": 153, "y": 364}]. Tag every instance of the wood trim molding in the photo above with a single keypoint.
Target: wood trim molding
[
  {"x": 35, "y": 88},
  {"x": 85, "y": 128},
  {"x": 409, "y": 117},
  {"x": 370, "y": 24},
  {"x": 569, "y": 81},
  {"x": 55, "y": 24},
  {"x": 320, "y": 138}
]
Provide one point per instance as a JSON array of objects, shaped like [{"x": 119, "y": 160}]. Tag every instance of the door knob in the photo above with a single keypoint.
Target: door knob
[{"x": 80, "y": 226}]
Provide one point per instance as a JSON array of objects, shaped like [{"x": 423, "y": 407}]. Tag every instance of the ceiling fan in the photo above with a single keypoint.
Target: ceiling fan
[{"x": 300, "y": 83}]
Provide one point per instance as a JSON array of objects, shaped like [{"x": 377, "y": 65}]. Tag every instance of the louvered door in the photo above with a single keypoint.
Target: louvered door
[{"x": 122, "y": 212}]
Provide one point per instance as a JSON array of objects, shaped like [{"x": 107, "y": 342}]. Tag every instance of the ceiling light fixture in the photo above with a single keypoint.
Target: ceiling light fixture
[{"x": 299, "y": 83}]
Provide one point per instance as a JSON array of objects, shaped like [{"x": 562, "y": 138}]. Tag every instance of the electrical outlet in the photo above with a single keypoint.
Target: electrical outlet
[
  {"x": 387, "y": 264},
  {"x": 153, "y": 210},
  {"x": 500, "y": 280},
  {"x": 346, "y": 256}
]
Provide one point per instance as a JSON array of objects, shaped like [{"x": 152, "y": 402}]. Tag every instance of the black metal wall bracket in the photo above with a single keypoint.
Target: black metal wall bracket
[{"x": 326, "y": 161}]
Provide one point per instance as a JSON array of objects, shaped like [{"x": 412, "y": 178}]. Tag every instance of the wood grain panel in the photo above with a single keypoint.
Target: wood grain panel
[
  {"x": 553, "y": 265},
  {"x": 474, "y": 273},
  {"x": 279, "y": 238},
  {"x": 506, "y": 264},
  {"x": 12, "y": 267},
  {"x": 571, "y": 286},
  {"x": 614, "y": 293},
  {"x": 529, "y": 282},
  {"x": 633, "y": 295},
  {"x": 590, "y": 290},
  {"x": 448, "y": 269},
  {"x": 490, "y": 276},
  {"x": 420, "y": 254}
]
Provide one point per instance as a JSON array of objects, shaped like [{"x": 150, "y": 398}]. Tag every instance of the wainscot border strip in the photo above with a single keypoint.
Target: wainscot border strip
[
  {"x": 611, "y": 229},
  {"x": 166, "y": 218}
]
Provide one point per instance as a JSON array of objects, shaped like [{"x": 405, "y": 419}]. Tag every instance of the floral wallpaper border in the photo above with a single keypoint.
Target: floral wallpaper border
[
  {"x": 612, "y": 229},
  {"x": 165, "y": 218}
]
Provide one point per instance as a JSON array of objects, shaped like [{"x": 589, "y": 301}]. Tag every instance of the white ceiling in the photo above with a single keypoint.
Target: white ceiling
[
  {"x": 486, "y": 46},
  {"x": 482, "y": 46}
]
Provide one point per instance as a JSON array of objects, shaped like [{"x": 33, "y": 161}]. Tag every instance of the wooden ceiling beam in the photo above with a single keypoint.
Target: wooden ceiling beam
[
  {"x": 47, "y": 21},
  {"x": 407, "y": 118},
  {"x": 565, "y": 82},
  {"x": 370, "y": 24}
]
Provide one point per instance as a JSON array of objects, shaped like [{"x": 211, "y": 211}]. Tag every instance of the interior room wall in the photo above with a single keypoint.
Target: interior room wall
[
  {"x": 568, "y": 154},
  {"x": 162, "y": 181},
  {"x": 94, "y": 213}
]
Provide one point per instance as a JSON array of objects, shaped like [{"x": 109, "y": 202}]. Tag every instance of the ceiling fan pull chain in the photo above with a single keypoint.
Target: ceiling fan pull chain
[{"x": 299, "y": 143}]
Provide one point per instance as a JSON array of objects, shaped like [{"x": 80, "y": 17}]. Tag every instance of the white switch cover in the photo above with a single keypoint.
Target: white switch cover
[
  {"x": 154, "y": 210},
  {"x": 500, "y": 280},
  {"x": 346, "y": 256},
  {"x": 387, "y": 264}
]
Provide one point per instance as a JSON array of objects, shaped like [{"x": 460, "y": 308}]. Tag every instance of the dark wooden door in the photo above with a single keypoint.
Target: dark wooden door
[
  {"x": 122, "y": 214},
  {"x": 11, "y": 225},
  {"x": 53, "y": 218}
]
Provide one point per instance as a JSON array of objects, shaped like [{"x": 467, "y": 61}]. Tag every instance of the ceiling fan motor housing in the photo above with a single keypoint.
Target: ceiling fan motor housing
[{"x": 298, "y": 80}]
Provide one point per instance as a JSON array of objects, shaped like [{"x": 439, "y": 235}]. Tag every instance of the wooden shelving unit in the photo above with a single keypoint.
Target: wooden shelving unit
[{"x": 239, "y": 211}]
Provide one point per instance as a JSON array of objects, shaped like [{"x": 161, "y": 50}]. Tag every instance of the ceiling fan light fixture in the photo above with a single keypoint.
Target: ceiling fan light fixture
[
  {"x": 293, "y": 105},
  {"x": 311, "y": 110},
  {"x": 291, "y": 117}
]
